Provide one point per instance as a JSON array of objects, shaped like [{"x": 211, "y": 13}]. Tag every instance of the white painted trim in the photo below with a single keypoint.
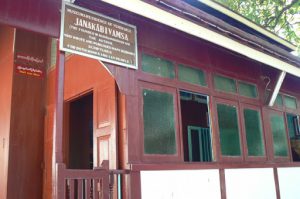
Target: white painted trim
[
  {"x": 68, "y": 1},
  {"x": 277, "y": 88},
  {"x": 149, "y": 11},
  {"x": 247, "y": 22}
]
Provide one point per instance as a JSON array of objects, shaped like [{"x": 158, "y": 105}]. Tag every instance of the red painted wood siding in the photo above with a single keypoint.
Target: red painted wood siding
[
  {"x": 25, "y": 167},
  {"x": 6, "y": 76},
  {"x": 41, "y": 16}
]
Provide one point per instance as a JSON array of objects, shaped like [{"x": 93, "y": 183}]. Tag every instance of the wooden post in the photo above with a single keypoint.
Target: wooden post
[
  {"x": 57, "y": 152},
  {"x": 279, "y": 82}
]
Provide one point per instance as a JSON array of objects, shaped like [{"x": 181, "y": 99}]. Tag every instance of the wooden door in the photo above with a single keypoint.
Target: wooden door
[{"x": 105, "y": 136}]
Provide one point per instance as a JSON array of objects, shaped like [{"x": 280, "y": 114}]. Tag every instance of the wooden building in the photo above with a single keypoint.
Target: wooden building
[{"x": 211, "y": 109}]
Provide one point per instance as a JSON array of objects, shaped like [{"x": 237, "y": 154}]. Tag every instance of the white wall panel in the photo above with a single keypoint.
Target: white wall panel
[
  {"x": 180, "y": 184},
  {"x": 289, "y": 179},
  {"x": 255, "y": 183}
]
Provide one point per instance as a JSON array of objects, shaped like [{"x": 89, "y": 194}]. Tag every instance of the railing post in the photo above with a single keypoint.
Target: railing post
[
  {"x": 60, "y": 189},
  {"x": 106, "y": 183},
  {"x": 111, "y": 185}
]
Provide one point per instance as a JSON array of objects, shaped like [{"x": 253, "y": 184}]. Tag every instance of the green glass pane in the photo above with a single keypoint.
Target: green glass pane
[
  {"x": 157, "y": 66},
  {"x": 191, "y": 75},
  {"x": 279, "y": 135},
  {"x": 254, "y": 133},
  {"x": 224, "y": 84},
  {"x": 278, "y": 100},
  {"x": 291, "y": 126},
  {"x": 229, "y": 130},
  {"x": 247, "y": 90},
  {"x": 290, "y": 102},
  {"x": 159, "y": 125}
]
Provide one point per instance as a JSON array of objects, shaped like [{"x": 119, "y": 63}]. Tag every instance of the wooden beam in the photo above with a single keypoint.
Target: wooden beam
[{"x": 277, "y": 88}]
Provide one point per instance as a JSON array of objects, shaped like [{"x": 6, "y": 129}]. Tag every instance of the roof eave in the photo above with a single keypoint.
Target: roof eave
[
  {"x": 248, "y": 23},
  {"x": 172, "y": 20}
]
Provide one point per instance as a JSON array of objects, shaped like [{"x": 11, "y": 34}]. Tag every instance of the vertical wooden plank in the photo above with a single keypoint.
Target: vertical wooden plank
[
  {"x": 105, "y": 186},
  {"x": 80, "y": 189},
  {"x": 95, "y": 189},
  {"x": 135, "y": 185},
  {"x": 58, "y": 116},
  {"x": 87, "y": 189},
  {"x": 62, "y": 183},
  {"x": 58, "y": 134},
  {"x": 276, "y": 183},
  {"x": 222, "y": 183},
  {"x": 72, "y": 188}
]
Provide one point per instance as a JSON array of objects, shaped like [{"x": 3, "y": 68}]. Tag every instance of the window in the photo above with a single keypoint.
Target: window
[
  {"x": 225, "y": 84},
  {"x": 294, "y": 134},
  {"x": 247, "y": 90},
  {"x": 280, "y": 146},
  {"x": 254, "y": 132},
  {"x": 195, "y": 127},
  {"x": 228, "y": 130},
  {"x": 191, "y": 75},
  {"x": 159, "y": 122},
  {"x": 158, "y": 66},
  {"x": 290, "y": 102},
  {"x": 278, "y": 101}
]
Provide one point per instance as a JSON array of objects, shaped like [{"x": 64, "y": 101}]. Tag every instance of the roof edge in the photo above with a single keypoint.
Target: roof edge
[
  {"x": 172, "y": 20},
  {"x": 249, "y": 23}
]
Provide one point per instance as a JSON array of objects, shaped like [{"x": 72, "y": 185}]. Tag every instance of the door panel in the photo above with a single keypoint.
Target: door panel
[{"x": 105, "y": 136}]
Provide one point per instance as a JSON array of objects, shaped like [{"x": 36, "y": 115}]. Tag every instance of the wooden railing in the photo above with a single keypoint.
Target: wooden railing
[{"x": 83, "y": 184}]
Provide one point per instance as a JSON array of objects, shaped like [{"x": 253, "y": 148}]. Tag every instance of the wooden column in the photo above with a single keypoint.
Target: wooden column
[
  {"x": 58, "y": 118},
  {"x": 275, "y": 92}
]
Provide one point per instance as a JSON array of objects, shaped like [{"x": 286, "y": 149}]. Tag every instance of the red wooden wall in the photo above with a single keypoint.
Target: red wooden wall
[
  {"x": 25, "y": 167},
  {"x": 41, "y": 16},
  {"x": 6, "y": 74},
  {"x": 21, "y": 115}
]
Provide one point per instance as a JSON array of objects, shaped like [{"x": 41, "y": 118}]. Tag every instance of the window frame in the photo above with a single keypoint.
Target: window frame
[
  {"x": 214, "y": 150},
  {"x": 159, "y": 157},
  {"x": 270, "y": 137},
  {"x": 244, "y": 106},
  {"x": 288, "y": 133},
  {"x": 240, "y": 102},
  {"x": 157, "y": 57},
  {"x": 220, "y": 157},
  {"x": 233, "y": 96},
  {"x": 205, "y": 73},
  {"x": 287, "y": 109},
  {"x": 250, "y": 83},
  {"x": 222, "y": 91}
]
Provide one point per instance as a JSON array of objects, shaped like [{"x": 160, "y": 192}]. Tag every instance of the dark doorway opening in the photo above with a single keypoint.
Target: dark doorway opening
[
  {"x": 195, "y": 127},
  {"x": 81, "y": 133}
]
